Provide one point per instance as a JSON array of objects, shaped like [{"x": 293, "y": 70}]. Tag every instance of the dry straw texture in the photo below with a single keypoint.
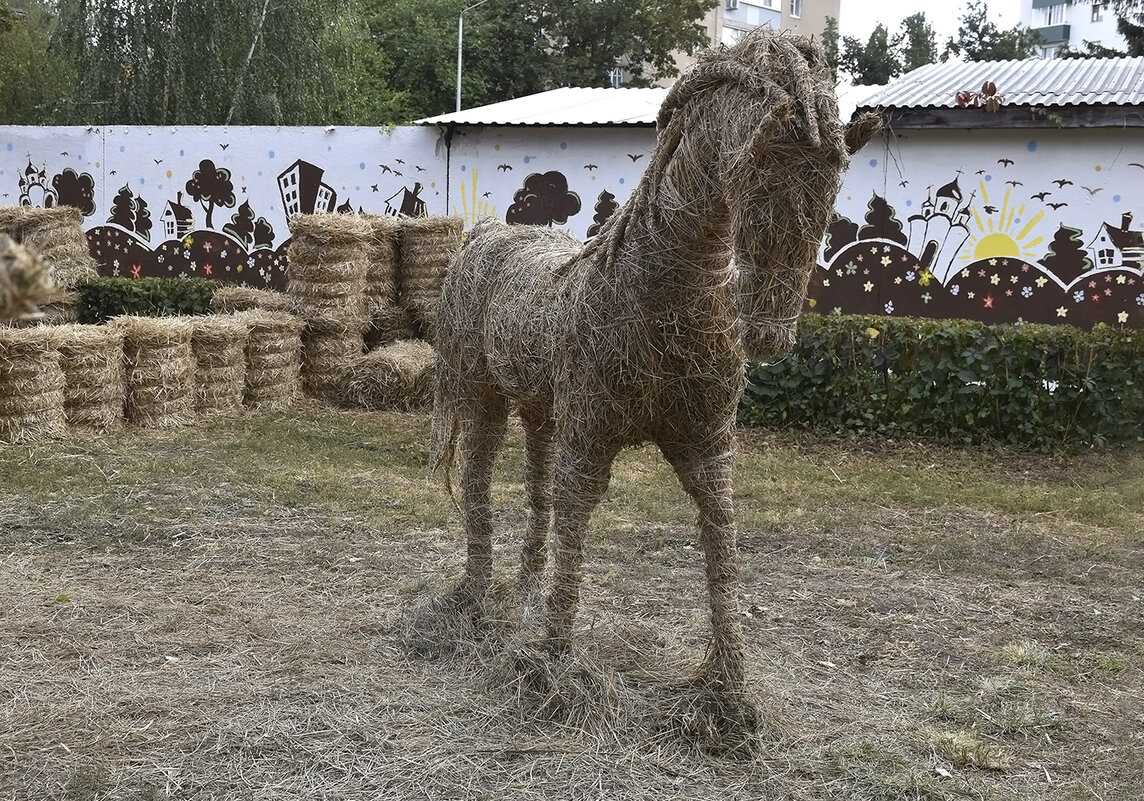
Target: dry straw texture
[
  {"x": 381, "y": 272},
  {"x": 427, "y": 245},
  {"x": 57, "y": 235},
  {"x": 160, "y": 370},
  {"x": 330, "y": 348},
  {"x": 328, "y": 259},
  {"x": 31, "y": 386},
  {"x": 642, "y": 335},
  {"x": 25, "y": 283},
  {"x": 273, "y": 359},
  {"x": 92, "y": 360},
  {"x": 395, "y": 377},
  {"x": 219, "y": 344},
  {"x": 236, "y": 298}
]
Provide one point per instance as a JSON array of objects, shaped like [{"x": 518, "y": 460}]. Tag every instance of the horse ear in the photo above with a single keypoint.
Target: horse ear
[{"x": 862, "y": 130}]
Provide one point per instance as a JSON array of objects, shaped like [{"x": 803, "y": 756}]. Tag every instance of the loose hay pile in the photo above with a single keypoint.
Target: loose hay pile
[
  {"x": 57, "y": 235},
  {"x": 273, "y": 359},
  {"x": 31, "y": 386},
  {"x": 92, "y": 360},
  {"x": 233, "y": 298},
  {"x": 427, "y": 245},
  {"x": 219, "y": 346},
  {"x": 399, "y": 376},
  {"x": 160, "y": 370},
  {"x": 25, "y": 283}
]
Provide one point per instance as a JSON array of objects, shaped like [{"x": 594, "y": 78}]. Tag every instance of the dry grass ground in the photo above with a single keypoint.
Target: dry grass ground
[{"x": 244, "y": 610}]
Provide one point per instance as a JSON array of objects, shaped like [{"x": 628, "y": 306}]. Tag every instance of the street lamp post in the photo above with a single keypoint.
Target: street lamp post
[{"x": 460, "y": 37}]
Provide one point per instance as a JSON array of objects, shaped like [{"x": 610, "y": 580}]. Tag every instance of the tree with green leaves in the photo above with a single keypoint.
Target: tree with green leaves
[
  {"x": 872, "y": 63},
  {"x": 1130, "y": 24},
  {"x": 830, "y": 46},
  {"x": 33, "y": 84},
  {"x": 517, "y": 47},
  {"x": 917, "y": 44},
  {"x": 979, "y": 38}
]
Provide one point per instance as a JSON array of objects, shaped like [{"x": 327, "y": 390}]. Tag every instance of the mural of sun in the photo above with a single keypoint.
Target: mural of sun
[
  {"x": 997, "y": 233},
  {"x": 474, "y": 208}
]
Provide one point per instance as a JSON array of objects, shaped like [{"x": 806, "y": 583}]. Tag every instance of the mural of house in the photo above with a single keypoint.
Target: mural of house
[{"x": 176, "y": 219}]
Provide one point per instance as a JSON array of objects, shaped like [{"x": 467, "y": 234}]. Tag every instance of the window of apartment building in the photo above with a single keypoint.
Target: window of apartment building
[
  {"x": 796, "y": 8},
  {"x": 1098, "y": 11},
  {"x": 1050, "y": 15},
  {"x": 774, "y": 4}
]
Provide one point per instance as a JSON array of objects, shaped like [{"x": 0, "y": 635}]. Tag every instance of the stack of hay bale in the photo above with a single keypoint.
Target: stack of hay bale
[
  {"x": 31, "y": 386},
  {"x": 56, "y": 235},
  {"x": 160, "y": 370},
  {"x": 94, "y": 382},
  {"x": 219, "y": 343},
  {"x": 238, "y": 298},
  {"x": 273, "y": 359},
  {"x": 326, "y": 288},
  {"x": 427, "y": 246}
]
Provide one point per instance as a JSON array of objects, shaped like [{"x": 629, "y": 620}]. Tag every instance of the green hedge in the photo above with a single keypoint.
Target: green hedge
[
  {"x": 1038, "y": 386},
  {"x": 103, "y": 298}
]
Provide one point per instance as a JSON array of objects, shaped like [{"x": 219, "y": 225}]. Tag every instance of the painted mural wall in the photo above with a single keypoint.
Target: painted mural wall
[
  {"x": 1001, "y": 226},
  {"x": 996, "y": 225}
]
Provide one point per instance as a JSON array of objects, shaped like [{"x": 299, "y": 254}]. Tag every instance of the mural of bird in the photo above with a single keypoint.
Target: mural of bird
[
  {"x": 1014, "y": 183},
  {"x": 590, "y": 167},
  {"x": 1062, "y": 182},
  {"x": 1041, "y": 195},
  {"x": 903, "y": 182},
  {"x": 990, "y": 209},
  {"x": 1058, "y": 205},
  {"x": 1005, "y": 162},
  {"x": 635, "y": 156},
  {"x": 487, "y": 194},
  {"x": 1136, "y": 164},
  {"x": 504, "y": 167},
  {"x": 224, "y": 145},
  {"x": 1092, "y": 190},
  {"x": 385, "y": 168},
  {"x": 979, "y": 172}
]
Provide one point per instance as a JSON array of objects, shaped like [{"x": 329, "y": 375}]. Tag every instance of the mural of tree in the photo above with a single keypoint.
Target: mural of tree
[
  {"x": 543, "y": 200},
  {"x": 881, "y": 222},
  {"x": 263, "y": 234},
  {"x": 605, "y": 207},
  {"x": 840, "y": 233},
  {"x": 142, "y": 219},
  {"x": 211, "y": 186},
  {"x": 1067, "y": 259},
  {"x": 123, "y": 209},
  {"x": 73, "y": 189},
  {"x": 241, "y": 225}
]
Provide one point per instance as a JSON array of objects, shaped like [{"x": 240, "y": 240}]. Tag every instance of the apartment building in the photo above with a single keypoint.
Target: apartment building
[{"x": 1072, "y": 23}]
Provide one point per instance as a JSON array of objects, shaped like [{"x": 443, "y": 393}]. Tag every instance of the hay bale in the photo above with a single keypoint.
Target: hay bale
[
  {"x": 25, "y": 281},
  {"x": 219, "y": 345},
  {"x": 426, "y": 246},
  {"x": 388, "y": 325},
  {"x": 381, "y": 269},
  {"x": 57, "y": 235},
  {"x": 31, "y": 386},
  {"x": 327, "y": 262},
  {"x": 235, "y": 298},
  {"x": 95, "y": 383},
  {"x": 398, "y": 377},
  {"x": 160, "y": 370},
  {"x": 329, "y": 348},
  {"x": 273, "y": 359}
]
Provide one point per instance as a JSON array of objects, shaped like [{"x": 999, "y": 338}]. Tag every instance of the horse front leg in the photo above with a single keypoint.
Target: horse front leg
[
  {"x": 581, "y": 480},
  {"x": 706, "y": 476}
]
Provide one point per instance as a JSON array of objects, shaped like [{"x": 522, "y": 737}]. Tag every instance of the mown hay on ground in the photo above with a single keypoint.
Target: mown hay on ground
[
  {"x": 328, "y": 258},
  {"x": 273, "y": 359},
  {"x": 395, "y": 377},
  {"x": 426, "y": 246},
  {"x": 95, "y": 390},
  {"x": 160, "y": 370},
  {"x": 25, "y": 282},
  {"x": 218, "y": 342},
  {"x": 237, "y": 298},
  {"x": 31, "y": 386},
  {"x": 57, "y": 235}
]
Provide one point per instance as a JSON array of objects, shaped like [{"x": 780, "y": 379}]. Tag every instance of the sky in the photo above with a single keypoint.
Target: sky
[{"x": 858, "y": 18}]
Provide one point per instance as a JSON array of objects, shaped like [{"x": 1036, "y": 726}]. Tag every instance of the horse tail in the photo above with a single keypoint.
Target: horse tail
[{"x": 444, "y": 431}]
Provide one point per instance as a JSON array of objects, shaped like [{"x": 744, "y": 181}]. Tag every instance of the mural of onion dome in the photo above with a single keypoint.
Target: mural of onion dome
[{"x": 948, "y": 198}]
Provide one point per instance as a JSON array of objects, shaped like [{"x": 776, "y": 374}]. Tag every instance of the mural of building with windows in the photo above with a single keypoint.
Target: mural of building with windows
[{"x": 303, "y": 191}]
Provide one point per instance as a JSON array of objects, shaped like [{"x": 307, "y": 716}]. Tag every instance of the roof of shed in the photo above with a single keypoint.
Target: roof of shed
[
  {"x": 567, "y": 106},
  {"x": 1048, "y": 82}
]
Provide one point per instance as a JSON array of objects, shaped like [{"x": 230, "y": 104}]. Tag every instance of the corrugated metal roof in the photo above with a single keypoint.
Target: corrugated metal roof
[
  {"x": 1034, "y": 82},
  {"x": 567, "y": 106}
]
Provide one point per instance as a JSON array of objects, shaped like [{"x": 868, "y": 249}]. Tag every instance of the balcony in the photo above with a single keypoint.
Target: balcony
[{"x": 1054, "y": 34}]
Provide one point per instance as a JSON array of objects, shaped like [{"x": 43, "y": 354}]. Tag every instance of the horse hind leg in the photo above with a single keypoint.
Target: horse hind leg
[
  {"x": 539, "y": 456},
  {"x": 482, "y": 431}
]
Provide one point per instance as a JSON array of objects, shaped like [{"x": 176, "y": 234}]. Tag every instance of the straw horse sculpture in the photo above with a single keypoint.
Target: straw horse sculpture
[{"x": 642, "y": 335}]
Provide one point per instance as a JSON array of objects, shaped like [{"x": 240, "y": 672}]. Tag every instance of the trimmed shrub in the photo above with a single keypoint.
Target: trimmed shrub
[{"x": 103, "y": 297}]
